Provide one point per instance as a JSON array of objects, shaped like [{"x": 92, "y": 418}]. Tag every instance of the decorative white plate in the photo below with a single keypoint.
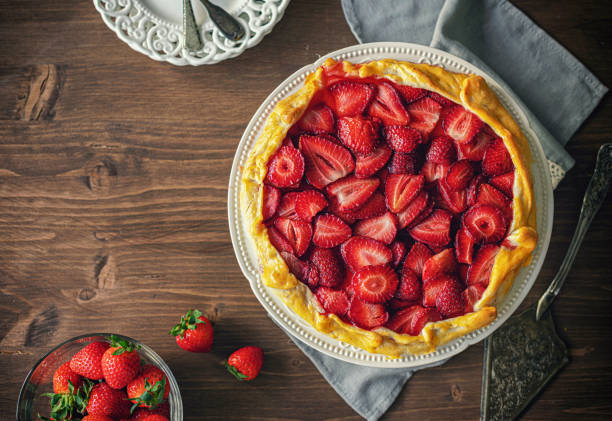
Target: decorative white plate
[
  {"x": 154, "y": 27},
  {"x": 285, "y": 317}
]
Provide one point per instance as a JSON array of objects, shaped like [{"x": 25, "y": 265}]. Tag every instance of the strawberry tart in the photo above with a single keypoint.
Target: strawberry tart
[{"x": 391, "y": 204}]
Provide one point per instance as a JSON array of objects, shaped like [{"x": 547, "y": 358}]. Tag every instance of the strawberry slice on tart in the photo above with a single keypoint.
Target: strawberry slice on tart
[{"x": 390, "y": 202}]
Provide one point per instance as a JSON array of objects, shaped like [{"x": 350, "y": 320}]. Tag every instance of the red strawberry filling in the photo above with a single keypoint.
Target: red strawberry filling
[{"x": 393, "y": 206}]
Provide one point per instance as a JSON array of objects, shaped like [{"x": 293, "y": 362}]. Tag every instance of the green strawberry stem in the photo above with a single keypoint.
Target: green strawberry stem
[
  {"x": 240, "y": 376},
  {"x": 152, "y": 396},
  {"x": 188, "y": 322},
  {"x": 121, "y": 344},
  {"x": 63, "y": 405}
]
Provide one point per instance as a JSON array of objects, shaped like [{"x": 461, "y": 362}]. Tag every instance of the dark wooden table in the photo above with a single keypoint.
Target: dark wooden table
[{"x": 113, "y": 182}]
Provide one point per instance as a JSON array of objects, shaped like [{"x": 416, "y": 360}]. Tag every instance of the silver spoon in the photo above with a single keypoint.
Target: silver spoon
[
  {"x": 226, "y": 23},
  {"x": 191, "y": 35}
]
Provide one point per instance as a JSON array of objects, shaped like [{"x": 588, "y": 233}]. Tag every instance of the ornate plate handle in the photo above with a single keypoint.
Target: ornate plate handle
[{"x": 593, "y": 198}]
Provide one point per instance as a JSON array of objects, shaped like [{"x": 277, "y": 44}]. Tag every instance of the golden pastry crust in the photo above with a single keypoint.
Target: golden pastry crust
[{"x": 470, "y": 91}]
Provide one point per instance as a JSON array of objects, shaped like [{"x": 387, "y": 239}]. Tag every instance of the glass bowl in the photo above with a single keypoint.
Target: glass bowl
[{"x": 40, "y": 378}]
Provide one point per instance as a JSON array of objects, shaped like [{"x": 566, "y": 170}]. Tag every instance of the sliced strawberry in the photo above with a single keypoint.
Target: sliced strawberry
[
  {"x": 421, "y": 317},
  {"x": 287, "y": 142},
  {"x": 313, "y": 277},
  {"x": 387, "y": 105},
  {"x": 286, "y": 207},
  {"x": 434, "y": 287},
  {"x": 424, "y": 115},
  {"x": 375, "y": 284},
  {"x": 382, "y": 228},
  {"x": 441, "y": 151},
  {"x": 462, "y": 125},
  {"x": 398, "y": 249},
  {"x": 459, "y": 175},
  {"x": 403, "y": 163},
  {"x": 454, "y": 201},
  {"x": 480, "y": 271},
  {"x": 366, "y": 315},
  {"x": 439, "y": 264},
  {"x": 375, "y": 206},
  {"x": 350, "y": 98},
  {"x": 309, "y": 203},
  {"x": 450, "y": 303},
  {"x": 286, "y": 167},
  {"x": 504, "y": 182},
  {"x": 271, "y": 200},
  {"x": 330, "y": 231},
  {"x": 410, "y": 93},
  {"x": 462, "y": 270},
  {"x": 297, "y": 232},
  {"x": 317, "y": 120},
  {"x": 474, "y": 150},
  {"x": 367, "y": 165},
  {"x": 362, "y": 251},
  {"x": 472, "y": 190},
  {"x": 464, "y": 246},
  {"x": 442, "y": 100},
  {"x": 327, "y": 262},
  {"x": 333, "y": 301},
  {"x": 296, "y": 266},
  {"x": 425, "y": 213},
  {"x": 413, "y": 210},
  {"x": 395, "y": 304},
  {"x": 326, "y": 161},
  {"x": 412, "y": 320},
  {"x": 432, "y": 171},
  {"x": 279, "y": 242},
  {"x": 402, "y": 138},
  {"x": 347, "y": 283},
  {"x": 358, "y": 134},
  {"x": 485, "y": 223},
  {"x": 489, "y": 195},
  {"x": 496, "y": 160},
  {"x": 401, "y": 321},
  {"x": 409, "y": 288},
  {"x": 400, "y": 189},
  {"x": 347, "y": 217},
  {"x": 471, "y": 295},
  {"x": 351, "y": 192},
  {"x": 434, "y": 230},
  {"x": 416, "y": 258}
]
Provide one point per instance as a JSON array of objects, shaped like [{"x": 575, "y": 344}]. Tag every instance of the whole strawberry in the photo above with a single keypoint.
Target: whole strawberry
[
  {"x": 104, "y": 400},
  {"x": 149, "y": 389},
  {"x": 96, "y": 418},
  {"x": 245, "y": 363},
  {"x": 194, "y": 333},
  {"x": 63, "y": 377},
  {"x": 141, "y": 413},
  {"x": 87, "y": 362},
  {"x": 155, "y": 417},
  {"x": 120, "y": 362},
  {"x": 64, "y": 405}
]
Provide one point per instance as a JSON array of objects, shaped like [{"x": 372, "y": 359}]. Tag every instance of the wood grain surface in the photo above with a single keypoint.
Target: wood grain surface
[{"x": 113, "y": 182}]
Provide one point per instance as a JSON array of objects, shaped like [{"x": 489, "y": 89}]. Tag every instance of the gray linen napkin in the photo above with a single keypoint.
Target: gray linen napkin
[{"x": 558, "y": 93}]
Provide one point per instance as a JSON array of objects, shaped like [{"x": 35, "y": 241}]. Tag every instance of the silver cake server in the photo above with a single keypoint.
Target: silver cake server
[{"x": 523, "y": 355}]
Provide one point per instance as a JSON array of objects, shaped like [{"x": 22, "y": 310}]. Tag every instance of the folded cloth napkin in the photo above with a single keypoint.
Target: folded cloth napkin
[{"x": 555, "y": 90}]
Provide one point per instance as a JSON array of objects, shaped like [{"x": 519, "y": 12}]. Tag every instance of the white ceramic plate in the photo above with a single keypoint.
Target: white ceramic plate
[
  {"x": 154, "y": 27},
  {"x": 285, "y": 317}
]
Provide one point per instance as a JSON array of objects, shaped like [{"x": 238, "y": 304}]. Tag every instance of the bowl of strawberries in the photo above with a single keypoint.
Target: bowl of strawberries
[{"x": 100, "y": 377}]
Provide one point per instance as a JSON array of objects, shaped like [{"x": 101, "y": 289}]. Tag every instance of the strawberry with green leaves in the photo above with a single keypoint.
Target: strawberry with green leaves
[
  {"x": 149, "y": 389},
  {"x": 245, "y": 363},
  {"x": 194, "y": 333},
  {"x": 74, "y": 400},
  {"x": 120, "y": 362}
]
